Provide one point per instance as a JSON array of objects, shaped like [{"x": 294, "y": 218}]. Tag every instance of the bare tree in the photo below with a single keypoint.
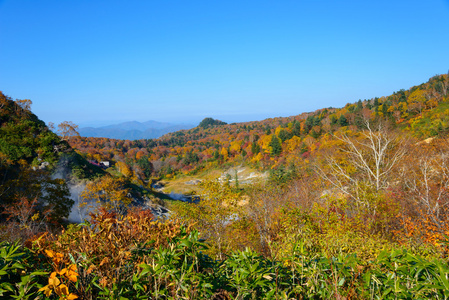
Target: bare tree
[
  {"x": 427, "y": 184},
  {"x": 263, "y": 208},
  {"x": 67, "y": 129},
  {"x": 23, "y": 106},
  {"x": 366, "y": 162}
]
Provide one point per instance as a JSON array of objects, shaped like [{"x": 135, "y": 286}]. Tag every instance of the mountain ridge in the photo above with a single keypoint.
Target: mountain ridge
[{"x": 133, "y": 130}]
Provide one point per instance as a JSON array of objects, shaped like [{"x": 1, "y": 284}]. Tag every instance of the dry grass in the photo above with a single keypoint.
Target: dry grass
[{"x": 185, "y": 184}]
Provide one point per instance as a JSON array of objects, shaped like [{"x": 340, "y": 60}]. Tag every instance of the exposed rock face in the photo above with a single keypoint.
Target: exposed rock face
[
  {"x": 242, "y": 175},
  {"x": 193, "y": 182},
  {"x": 159, "y": 211}
]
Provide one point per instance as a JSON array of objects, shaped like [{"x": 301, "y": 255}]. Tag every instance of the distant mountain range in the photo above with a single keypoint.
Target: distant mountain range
[{"x": 133, "y": 130}]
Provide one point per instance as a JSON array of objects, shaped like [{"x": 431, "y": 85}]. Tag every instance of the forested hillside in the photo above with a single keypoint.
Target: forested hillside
[
  {"x": 356, "y": 206},
  {"x": 30, "y": 153},
  {"x": 421, "y": 111}
]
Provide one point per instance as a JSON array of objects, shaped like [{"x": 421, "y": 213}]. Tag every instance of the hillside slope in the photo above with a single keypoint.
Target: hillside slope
[
  {"x": 421, "y": 111},
  {"x": 35, "y": 165}
]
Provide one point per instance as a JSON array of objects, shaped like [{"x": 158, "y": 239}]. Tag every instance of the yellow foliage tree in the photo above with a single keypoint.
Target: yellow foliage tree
[
  {"x": 309, "y": 141},
  {"x": 292, "y": 144},
  {"x": 257, "y": 158},
  {"x": 278, "y": 129},
  {"x": 224, "y": 153},
  {"x": 264, "y": 142},
  {"x": 124, "y": 169},
  {"x": 108, "y": 192},
  {"x": 235, "y": 146},
  {"x": 213, "y": 214},
  {"x": 417, "y": 100},
  {"x": 67, "y": 129}
]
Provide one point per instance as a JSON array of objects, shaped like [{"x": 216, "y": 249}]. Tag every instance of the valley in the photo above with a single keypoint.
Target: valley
[{"x": 324, "y": 203}]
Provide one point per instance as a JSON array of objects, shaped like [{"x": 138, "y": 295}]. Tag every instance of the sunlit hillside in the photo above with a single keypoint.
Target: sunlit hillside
[{"x": 345, "y": 203}]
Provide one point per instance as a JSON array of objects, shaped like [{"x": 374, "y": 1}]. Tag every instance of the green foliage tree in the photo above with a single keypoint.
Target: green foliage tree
[
  {"x": 275, "y": 146},
  {"x": 359, "y": 106},
  {"x": 303, "y": 148},
  {"x": 146, "y": 166},
  {"x": 216, "y": 154},
  {"x": 284, "y": 135},
  {"x": 334, "y": 120},
  {"x": 296, "y": 130},
  {"x": 191, "y": 158},
  {"x": 24, "y": 136},
  {"x": 255, "y": 148},
  {"x": 315, "y": 134},
  {"x": 342, "y": 121},
  {"x": 208, "y": 122}
]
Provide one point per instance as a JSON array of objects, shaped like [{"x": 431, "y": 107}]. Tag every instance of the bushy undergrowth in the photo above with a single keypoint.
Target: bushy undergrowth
[{"x": 134, "y": 257}]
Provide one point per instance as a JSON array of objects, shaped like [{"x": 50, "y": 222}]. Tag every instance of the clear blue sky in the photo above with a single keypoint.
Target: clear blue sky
[{"x": 94, "y": 62}]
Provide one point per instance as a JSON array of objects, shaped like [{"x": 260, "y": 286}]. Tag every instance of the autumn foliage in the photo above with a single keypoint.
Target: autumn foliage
[{"x": 355, "y": 206}]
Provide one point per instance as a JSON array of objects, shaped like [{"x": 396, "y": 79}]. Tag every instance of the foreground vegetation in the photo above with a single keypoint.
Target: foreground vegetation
[{"x": 133, "y": 257}]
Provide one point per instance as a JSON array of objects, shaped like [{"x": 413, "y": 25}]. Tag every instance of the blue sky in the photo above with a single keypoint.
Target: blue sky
[{"x": 98, "y": 62}]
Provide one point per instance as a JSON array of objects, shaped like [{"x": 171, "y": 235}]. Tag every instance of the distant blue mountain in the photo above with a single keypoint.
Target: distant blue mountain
[
  {"x": 133, "y": 130},
  {"x": 134, "y": 125}
]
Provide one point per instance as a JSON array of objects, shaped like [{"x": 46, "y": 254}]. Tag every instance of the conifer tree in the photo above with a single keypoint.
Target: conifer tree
[
  {"x": 342, "y": 121},
  {"x": 275, "y": 145}
]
